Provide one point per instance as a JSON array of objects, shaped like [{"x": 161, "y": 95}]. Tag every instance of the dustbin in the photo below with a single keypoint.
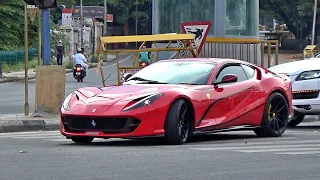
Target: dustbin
[{"x": 0, "y": 69}]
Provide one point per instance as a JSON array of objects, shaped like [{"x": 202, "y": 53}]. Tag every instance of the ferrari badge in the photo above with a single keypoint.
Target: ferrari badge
[{"x": 208, "y": 96}]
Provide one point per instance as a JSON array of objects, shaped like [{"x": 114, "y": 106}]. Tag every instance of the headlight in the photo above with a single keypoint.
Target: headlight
[
  {"x": 143, "y": 102},
  {"x": 308, "y": 75},
  {"x": 66, "y": 102}
]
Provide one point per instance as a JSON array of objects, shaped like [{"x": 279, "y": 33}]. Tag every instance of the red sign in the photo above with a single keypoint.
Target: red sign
[
  {"x": 109, "y": 17},
  {"x": 200, "y": 30}
]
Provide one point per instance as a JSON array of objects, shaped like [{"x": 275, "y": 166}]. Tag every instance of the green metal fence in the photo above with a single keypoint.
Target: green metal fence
[{"x": 13, "y": 57}]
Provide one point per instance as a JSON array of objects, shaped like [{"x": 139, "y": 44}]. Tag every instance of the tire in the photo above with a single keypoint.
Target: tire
[
  {"x": 82, "y": 140},
  {"x": 275, "y": 117},
  {"x": 78, "y": 79},
  {"x": 178, "y": 117},
  {"x": 297, "y": 119},
  {"x": 81, "y": 80}
]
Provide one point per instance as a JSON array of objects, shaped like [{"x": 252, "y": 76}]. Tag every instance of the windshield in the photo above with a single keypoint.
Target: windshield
[{"x": 176, "y": 72}]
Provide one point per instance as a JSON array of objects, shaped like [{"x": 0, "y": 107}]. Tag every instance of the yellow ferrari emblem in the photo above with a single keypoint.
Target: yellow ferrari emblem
[{"x": 208, "y": 96}]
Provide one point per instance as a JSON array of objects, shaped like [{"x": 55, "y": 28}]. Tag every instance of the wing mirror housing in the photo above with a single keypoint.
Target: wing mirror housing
[
  {"x": 126, "y": 76},
  {"x": 228, "y": 78}
]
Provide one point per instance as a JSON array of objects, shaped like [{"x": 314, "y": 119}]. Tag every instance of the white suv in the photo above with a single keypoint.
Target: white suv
[{"x": 305, "y": 77}]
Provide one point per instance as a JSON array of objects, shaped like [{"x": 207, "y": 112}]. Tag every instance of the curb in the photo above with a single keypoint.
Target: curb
[
  {"x": 7, "y": 126},
  {"x": 53, "y": 124}
]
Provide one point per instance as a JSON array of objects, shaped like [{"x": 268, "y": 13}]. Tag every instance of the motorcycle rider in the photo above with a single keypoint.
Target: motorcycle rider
[
  {"x": 79, "y": 58},
  {"x": 144, "y": 56}
]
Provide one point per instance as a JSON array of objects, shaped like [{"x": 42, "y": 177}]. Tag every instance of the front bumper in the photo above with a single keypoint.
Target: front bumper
[
  {"x": 306, "y": 96},
  {"x": 148, "y": 122}
]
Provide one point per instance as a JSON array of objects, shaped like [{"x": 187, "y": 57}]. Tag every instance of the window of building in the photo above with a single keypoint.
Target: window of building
[
  {"x": 241, "y": 17},
  {"x": 173, "y": 12}
]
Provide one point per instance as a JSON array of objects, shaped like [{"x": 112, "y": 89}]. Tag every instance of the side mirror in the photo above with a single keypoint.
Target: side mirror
[
  {"x": 228, "y": 78},
  {"x": 126, "y": 76}
]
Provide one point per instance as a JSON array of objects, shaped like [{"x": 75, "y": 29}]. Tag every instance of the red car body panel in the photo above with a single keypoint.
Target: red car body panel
[{"x": 215, "y": 107}]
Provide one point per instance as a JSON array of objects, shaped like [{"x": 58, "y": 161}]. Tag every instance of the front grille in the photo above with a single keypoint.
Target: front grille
[
  {"x": 104, "y": 124},
  {"x": 308, "y": 94}
]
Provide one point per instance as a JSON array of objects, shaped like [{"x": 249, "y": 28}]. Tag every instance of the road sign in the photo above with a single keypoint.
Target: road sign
[
  {"x": 109, "y": 17},
  {"x": 200, "y": 30}
]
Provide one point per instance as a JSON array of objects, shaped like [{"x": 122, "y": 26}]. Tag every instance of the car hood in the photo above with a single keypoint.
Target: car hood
[
  {"x": 296, "y": 67},
  {"x": 126, "y": 93}
]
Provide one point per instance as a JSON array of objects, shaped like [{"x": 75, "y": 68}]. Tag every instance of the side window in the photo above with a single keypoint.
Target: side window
[
  {"x": 249, "y": 71},
  {"x": 234, "y": 69}
]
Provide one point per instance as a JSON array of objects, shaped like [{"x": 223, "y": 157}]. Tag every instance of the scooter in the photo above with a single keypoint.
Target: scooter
[{"x": 78, "y": 72}]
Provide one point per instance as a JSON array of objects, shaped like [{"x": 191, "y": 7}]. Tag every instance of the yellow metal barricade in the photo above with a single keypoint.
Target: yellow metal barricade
[
  {"x": 157, "y": 38},
  {"x": 249, "y": 50}
]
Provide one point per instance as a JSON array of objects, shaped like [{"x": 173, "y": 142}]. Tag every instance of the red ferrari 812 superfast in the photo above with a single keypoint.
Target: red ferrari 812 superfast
[{"x": 177, "y": 98}]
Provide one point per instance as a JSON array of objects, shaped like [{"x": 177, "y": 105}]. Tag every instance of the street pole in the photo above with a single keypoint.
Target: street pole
[
  {"x": 26, "y": 104},
  {"x": 136, "y": 22},
  {"x": 314, "y": 21},
  {"x": 81, "y": 23},
  {"x": 46, "y": 36},
  {"x": 105, "y": 18},
  {"x": 39, "y": 37}
]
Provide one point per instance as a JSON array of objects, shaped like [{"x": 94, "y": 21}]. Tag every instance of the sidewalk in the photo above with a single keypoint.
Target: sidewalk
[
  {"x": 20, "y": 123},
  {"x": 19, "y": 75}
]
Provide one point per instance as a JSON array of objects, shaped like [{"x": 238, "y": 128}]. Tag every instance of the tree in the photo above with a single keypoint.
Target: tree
[
  {"x": 297, "y": 14},
  {"x": 11, "y": 21}
]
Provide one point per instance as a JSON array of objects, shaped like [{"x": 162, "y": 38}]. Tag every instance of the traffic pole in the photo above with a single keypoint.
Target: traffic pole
[
  {"x": 26, "y": 104},
  {"x": 46, "y": 36}
]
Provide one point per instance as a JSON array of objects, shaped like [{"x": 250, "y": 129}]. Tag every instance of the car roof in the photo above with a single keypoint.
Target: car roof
[{"x": 213, "y": 60}]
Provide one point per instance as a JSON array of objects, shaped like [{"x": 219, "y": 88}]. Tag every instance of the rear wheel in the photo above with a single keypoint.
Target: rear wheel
[
  {"x": 178, "y": 123},
  {"x": 297, "y": 119},
  {"x": 78, "y": 79},
  {"x": 82, "y": 140},
  {"x": 275, "y": 117}
]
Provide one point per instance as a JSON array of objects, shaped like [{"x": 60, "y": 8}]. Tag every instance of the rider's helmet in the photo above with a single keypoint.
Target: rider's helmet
[{"x": 79, "y": 50}]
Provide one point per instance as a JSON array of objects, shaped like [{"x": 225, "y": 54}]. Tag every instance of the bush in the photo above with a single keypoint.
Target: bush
[{"x": 7, "y": 68}]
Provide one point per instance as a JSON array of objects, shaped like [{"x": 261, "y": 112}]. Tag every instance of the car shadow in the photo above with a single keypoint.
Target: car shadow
[{"x": 206, "y": 138}]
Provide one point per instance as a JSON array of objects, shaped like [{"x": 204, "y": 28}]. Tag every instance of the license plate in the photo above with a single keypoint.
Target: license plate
[
  {"x": 77, "y": 73},
  {"x": 92, "y": 133}
]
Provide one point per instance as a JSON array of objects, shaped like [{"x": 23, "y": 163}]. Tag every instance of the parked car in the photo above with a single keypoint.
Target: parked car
[{"x": 305, "y": 78}]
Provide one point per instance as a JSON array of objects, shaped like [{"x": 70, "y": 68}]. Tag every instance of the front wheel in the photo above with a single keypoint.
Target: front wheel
[
  {"x": 275, "y": 117},
  {"x": 178, "y": 123},
  {"x": 297, "y": 119}
]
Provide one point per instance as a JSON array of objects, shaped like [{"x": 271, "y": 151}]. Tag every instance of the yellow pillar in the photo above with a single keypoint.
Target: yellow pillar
[{"x": 50, "y": 88}]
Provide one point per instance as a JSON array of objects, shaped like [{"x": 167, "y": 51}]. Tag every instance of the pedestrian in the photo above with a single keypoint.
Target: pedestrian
[{"x": 59, "y": 53}]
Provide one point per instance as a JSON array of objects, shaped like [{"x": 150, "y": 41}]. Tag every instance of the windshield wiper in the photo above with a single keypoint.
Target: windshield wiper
[{"x": 146, "y": 80}]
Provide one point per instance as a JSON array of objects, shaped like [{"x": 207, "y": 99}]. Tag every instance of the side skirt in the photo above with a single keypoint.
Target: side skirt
[{"x": 234, "y": 128}]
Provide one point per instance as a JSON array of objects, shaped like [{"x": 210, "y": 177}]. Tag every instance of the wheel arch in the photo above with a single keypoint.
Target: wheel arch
[
  {"x": 190, "y": 105},
  {"x": 280, "y": 92}
]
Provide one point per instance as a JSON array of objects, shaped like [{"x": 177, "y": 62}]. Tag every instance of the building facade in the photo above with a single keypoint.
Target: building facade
[{"x": 230, "y": 18}]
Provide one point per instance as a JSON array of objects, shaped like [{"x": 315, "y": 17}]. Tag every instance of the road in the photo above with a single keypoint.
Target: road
[
  {"x": 12, "y": 94},
  {"x": 233, "y": 155}
]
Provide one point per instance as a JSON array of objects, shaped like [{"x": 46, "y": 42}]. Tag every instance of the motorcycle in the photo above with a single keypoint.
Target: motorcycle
[{"x": 78, "y": 72}]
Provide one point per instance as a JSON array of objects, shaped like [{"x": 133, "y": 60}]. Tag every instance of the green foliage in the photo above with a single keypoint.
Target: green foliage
[
  {"x": 297, "y": 14},
  {"x": 11, "y": 21}
]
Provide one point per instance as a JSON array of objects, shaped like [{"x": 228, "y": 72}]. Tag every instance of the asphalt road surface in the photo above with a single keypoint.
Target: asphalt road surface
[
  {"x": 12, "y": 94},
  {"x": 232, "y": 155}
]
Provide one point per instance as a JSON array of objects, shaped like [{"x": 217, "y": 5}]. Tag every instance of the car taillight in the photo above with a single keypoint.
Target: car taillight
[
  {"x": 78, "y": 69},
  {"x": 143, "y": 64}
]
